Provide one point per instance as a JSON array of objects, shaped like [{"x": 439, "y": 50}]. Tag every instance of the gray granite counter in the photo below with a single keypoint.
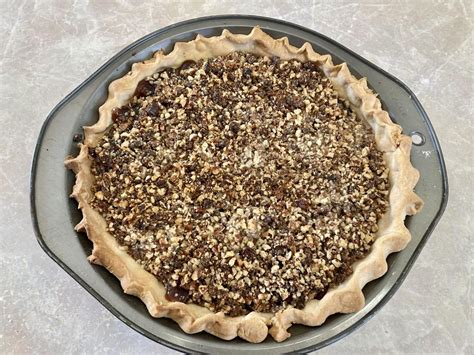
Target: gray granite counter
[{"x": 50, "y": 47}]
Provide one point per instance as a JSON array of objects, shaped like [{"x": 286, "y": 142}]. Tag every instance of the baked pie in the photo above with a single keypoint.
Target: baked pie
[{"x": 239, "y": 185}]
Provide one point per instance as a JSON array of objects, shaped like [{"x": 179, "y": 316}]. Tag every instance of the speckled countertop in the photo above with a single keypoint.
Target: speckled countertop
[{"x": 50, "y": 47}]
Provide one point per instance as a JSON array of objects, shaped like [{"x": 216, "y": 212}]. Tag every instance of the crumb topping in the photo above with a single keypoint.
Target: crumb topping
[{"x": 242, "y": 183}]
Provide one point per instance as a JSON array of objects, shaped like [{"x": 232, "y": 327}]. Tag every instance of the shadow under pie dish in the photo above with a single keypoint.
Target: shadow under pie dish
[{"x": 239, "y": 184}]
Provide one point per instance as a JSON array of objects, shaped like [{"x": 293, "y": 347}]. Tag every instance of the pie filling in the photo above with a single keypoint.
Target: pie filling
[{"x": 242, "y": 183}]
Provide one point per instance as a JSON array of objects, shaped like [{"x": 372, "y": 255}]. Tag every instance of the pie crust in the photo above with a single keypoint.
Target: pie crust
[{"x": 392, "y": 235}]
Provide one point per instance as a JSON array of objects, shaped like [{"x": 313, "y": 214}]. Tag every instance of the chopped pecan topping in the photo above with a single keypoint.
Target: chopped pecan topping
[{"x": 242, "y": 183}]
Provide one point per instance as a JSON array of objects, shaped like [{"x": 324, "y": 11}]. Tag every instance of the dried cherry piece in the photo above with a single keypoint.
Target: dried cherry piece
[
  {"x": 177, "y": 294},
  {"x": 144, "y": 88}
]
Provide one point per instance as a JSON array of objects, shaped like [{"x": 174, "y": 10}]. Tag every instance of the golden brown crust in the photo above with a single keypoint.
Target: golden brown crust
[{"x": 254, "y": 327}]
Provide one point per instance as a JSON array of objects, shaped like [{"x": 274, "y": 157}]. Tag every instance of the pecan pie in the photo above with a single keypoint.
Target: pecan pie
[{"x": 239, "y": 184}]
